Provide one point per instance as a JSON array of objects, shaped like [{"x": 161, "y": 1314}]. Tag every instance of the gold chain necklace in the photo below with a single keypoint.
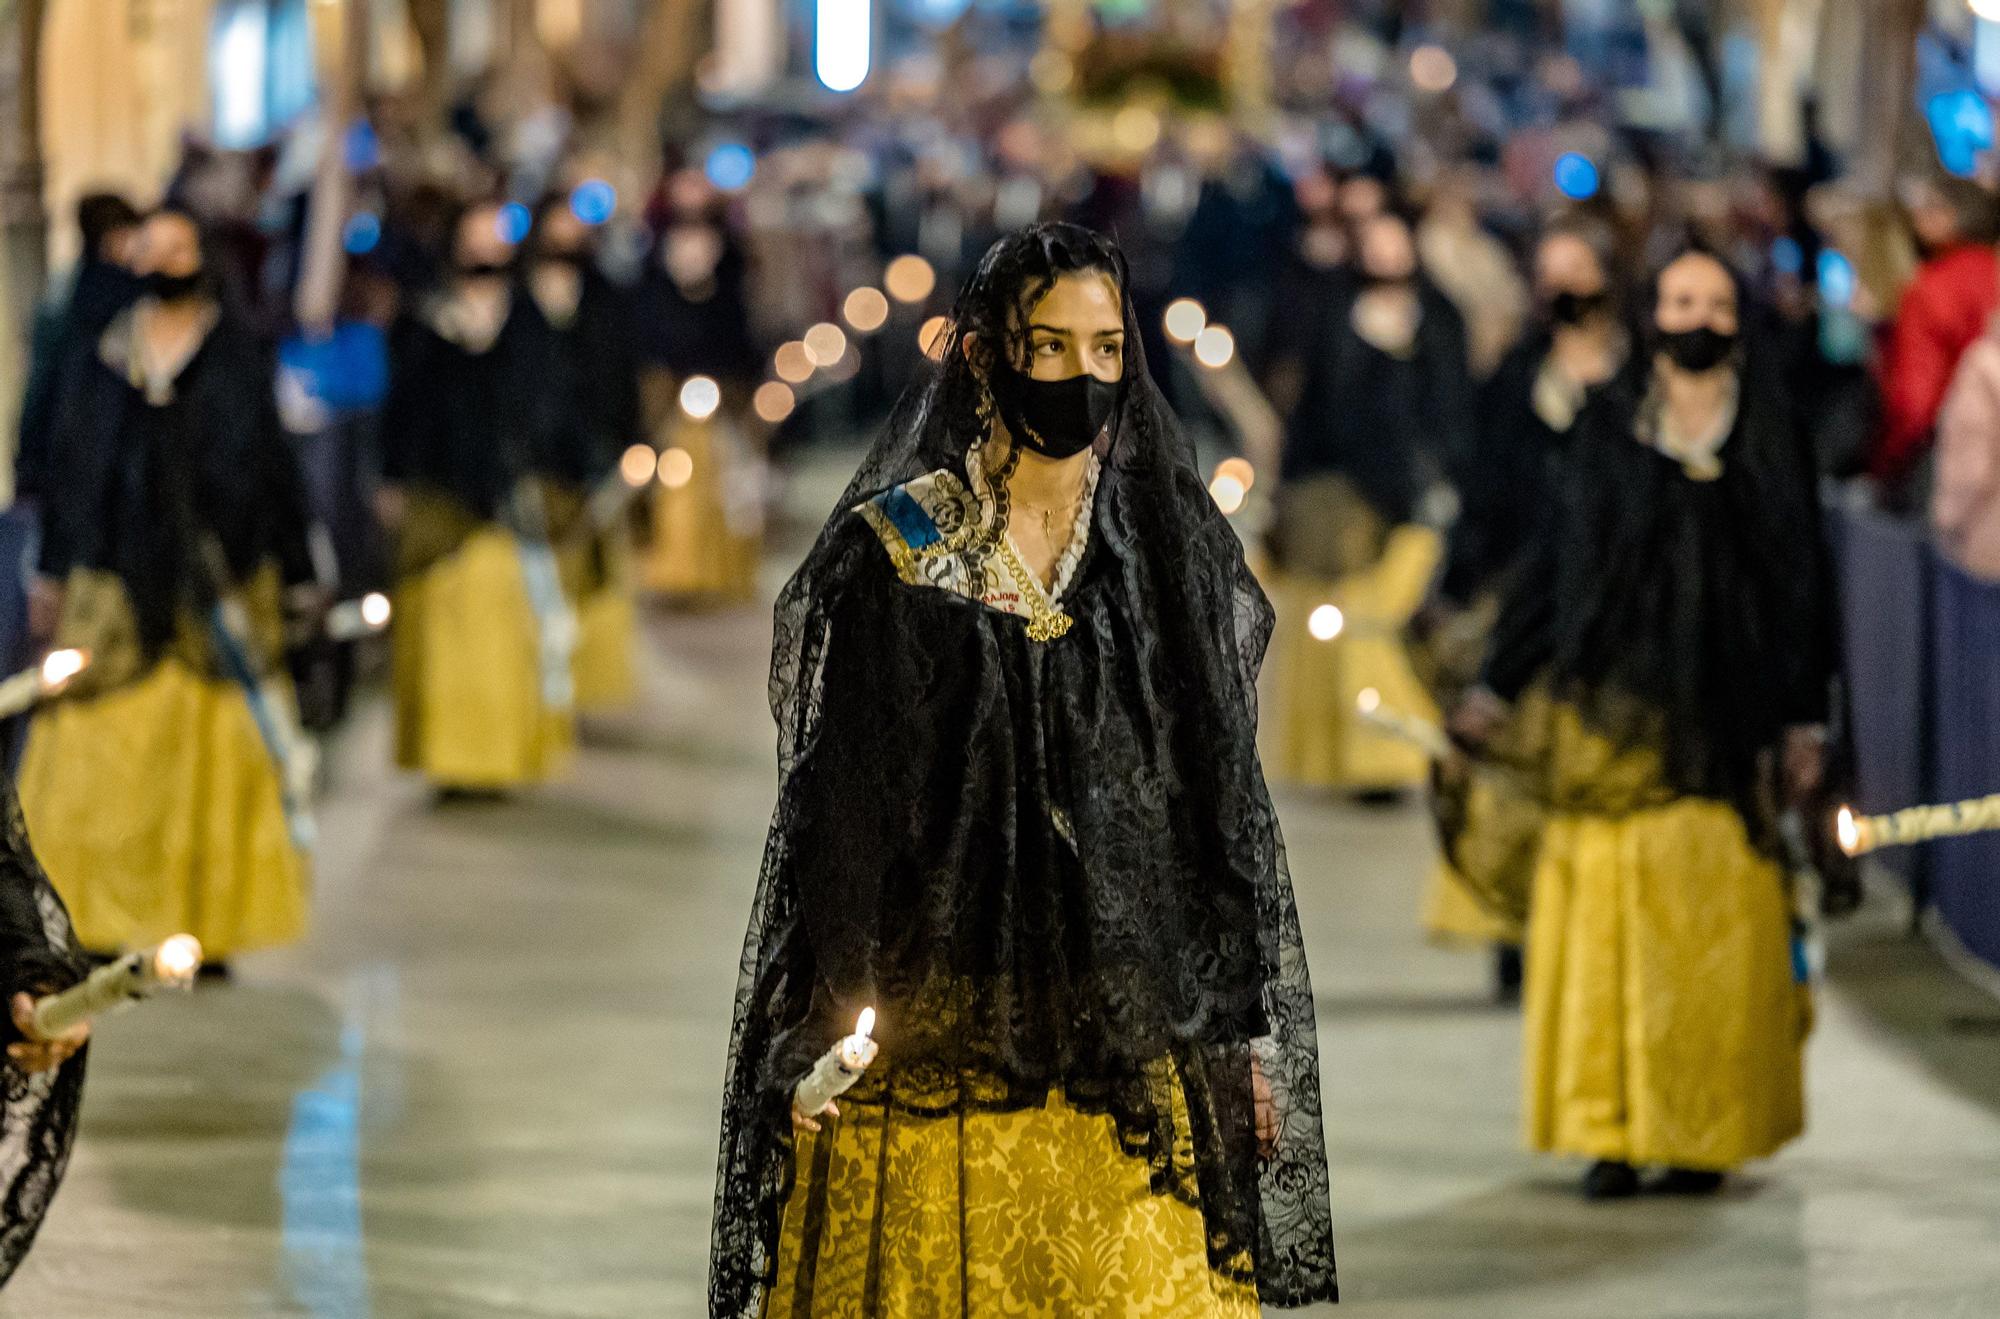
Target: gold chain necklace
[{"x": 1046, "y": 622}]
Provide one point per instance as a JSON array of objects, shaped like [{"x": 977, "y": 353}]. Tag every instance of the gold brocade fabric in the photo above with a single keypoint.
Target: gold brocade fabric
[
  {"x": 1453, "y": 915},
  {"x": 156, "y": 809},
  {"x": 1313, "y": 734},
  {"x": 467, "y": 675},
  {"x": 97, "y": 619},
  {"x": 1664, "y": 1022},
  {"x": 1036, "y": 1214},
  {"x": 607, "y": 620}
]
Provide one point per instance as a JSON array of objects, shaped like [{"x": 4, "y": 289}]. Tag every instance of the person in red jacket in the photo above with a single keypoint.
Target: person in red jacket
[{"x": 1943, "y": 311}]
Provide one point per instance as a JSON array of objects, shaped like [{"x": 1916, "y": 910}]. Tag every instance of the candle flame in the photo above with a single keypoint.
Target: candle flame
[
  {"x": 1369, "y": 701},
  {"x": 1847, "y": 829},
  {"x": 1326, "y": 622},
  {"x": 865, "y": 1024},
  {"x": 177, "y": 959},
  {"x": 375, "y": 609},
  {"x": 62, "y": 665}
]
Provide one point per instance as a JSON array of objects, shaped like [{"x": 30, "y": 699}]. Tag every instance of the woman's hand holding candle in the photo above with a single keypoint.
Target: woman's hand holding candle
[
  {"x": 35, "y": 1053},
  {"x": 834, "y": 1075}
]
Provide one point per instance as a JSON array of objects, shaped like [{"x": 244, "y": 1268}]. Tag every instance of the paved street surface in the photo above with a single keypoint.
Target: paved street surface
[{"x": 487, "y": 1085}]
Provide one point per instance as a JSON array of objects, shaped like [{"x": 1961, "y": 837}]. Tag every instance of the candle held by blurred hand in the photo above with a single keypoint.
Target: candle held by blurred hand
[{"x": 137, "y": 975}]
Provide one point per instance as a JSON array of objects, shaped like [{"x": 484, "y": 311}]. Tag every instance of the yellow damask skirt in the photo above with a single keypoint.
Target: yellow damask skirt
[
  {"x": 1664, "y": 1021},
  {"x": 1036, "y": 1213},
  {"x": 467, "y": 672},
  {"x": 1314, "y": 735},
  {"x": 1453, "y": 917},
  {"x": 607, "y": 636},
  {"x": 156, "y": 809}
]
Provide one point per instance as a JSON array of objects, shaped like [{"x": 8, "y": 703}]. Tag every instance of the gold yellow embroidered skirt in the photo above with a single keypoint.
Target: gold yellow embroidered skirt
[
  {"x": 1664, "y": 1024},
  {"x": 467, "y": 680},
  {"x": 1453, "y": 917},
  {"x": 156, "y": 808},
  {"x": 1314, "y": 735},
  {"x": 1036, "y": 1213},
  {"x": 703, "y": 549}
]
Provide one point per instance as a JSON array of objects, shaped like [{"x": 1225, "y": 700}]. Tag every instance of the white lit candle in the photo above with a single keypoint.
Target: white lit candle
[
  {"x": 838, "y": 1068},
  {"x": 351, "y": 620},
  {"x": 29, "y": 687},
  {"x": 1398, "y": 724},
  {"x": 137, "y": 975},
  {"x": 1860, "y": 834}
]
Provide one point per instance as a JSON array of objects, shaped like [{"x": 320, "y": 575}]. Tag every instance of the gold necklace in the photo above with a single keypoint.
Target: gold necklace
[{"x": 1046, "y": 622}]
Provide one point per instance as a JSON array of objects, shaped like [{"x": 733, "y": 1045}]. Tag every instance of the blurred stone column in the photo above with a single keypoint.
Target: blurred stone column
[
  {"x": 1885, "y": 87},
  {"x": 23, "y": 219},
  {"x": 673, "y": 38}
]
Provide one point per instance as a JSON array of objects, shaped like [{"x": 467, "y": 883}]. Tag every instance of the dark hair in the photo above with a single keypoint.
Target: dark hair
[
  {"x": 101, "y": 214},
  {"x": 1018, "y": 269},
  {"x": 1973, "y": 208}
]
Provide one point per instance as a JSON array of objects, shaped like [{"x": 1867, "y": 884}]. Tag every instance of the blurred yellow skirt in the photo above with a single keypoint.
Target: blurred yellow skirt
[
  {"x": 1452, "y": 916},
  {"x": 1313, "y": 734},
  {"x": 156, "y": 808},
  {"x": 607, "y": 634},
  {"x": 1664, "y": 1023},
  {"x": 1036, "y": 1213},
  {"x": 469, "y": 708},
  {"x": 698, "y": 552}
]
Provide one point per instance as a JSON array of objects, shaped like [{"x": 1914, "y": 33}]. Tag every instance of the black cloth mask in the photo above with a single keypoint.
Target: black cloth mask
[
  {"x": 1055, "y": 418},
  {"x": 485, "y": 270},
  {"x": 1571, "y": 308},
  {"x": 1701, "y": 349},
  {"x": 172, "y": 288}
]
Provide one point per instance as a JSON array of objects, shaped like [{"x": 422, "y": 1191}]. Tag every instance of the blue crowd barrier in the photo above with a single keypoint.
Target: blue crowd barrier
[{"x": 1922, "y": 658}]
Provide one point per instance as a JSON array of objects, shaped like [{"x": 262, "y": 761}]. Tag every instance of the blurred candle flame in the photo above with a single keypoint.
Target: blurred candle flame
[
  {"x": 865, "y": 1023},
  {"x": 62, "y": 665},
  {"x": 1369, "y": 701},
  {"x": 1847, "y": 830},
  {"x": 1326, "y": 622},
  {"x": 375, "y": 609},
  {"x": 177, "y": 959}
]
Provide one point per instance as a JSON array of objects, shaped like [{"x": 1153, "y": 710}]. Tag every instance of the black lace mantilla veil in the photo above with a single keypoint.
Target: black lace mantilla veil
[
  {"x": 1050, "y": 867},
  {"x": 38, "y": 952}
]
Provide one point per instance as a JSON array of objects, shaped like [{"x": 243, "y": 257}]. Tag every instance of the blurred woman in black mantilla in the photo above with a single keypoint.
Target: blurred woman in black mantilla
[
  {"x": 1668, "y": 645},
  {"x": 169, "y": 784},
  {"x": 589, "y": 396},
  {"x": 1022, "y": 816},
  {"x": 484, "y": 636}
]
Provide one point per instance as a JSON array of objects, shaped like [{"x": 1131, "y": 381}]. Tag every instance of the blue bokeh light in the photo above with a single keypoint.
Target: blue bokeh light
[
  {"x": 1836, "y": 278},
  {"x": 731, "y": 166},
  {"x": 593, "y": 201},
  {"x": 514, "y": 222},
  {"x": 1787, "y": 257},
  {"x": 363, "y": 232},
  {"x": 1576, "y": 176},
  {"x": 361, "y": 147},
  {"x": 1961, "y": 125}
]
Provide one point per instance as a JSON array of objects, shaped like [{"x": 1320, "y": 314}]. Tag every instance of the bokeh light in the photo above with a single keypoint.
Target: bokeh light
[
  {"x": 376, "y": 609},
  {"x": 1136, "y": 128},
  {"x": 1576, "y": 176},
  {"x": 793, "y": 363},
  {"x": 1228, "y": 493},
  {"x": 1215, "y": 347},
  {"x": 638, "y": 465},
  {"x": 363, "y": 232},
  {"x": 774, "y": 401},
  {"x": 731, "y": 166},
  {"x": 1432, "y": 69},
  {"x": 866, "y": 310},
  {"x": 1836, "y": 276},
  {"x": 931, "y": 337},
  {"x": 1185, "y": 320},
  {"x": 676, "y": 468},
  {"x": 1239, "y": 470},
  {"x": 514, "y": 222},
  {"x": 700, "y": 397},
  {"x": 1326, "y": 622},
  {"x": 1368, "y": 701},
  {"x": 909, "y": 278},
  {"x": 593, "y": 201},
  {"x": 826, "y": 343}
]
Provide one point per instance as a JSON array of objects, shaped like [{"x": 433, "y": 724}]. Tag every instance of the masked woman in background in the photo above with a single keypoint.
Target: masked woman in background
[
  {"x": 168, "y": 785},
  {"x": 1022, "y": 817},
  {"x": 483, "y": 635},
  {"x": 1385, "y": 412},
  {"x": 1508, "y": 481},
  {"x": 1669, "y": 636},
  {"x": 589, "y": 396}
]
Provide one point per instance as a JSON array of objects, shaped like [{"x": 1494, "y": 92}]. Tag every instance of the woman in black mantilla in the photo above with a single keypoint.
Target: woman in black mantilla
[
  {"x": 1667, "y": 648},
  {"x": 1022, "y": 816}
]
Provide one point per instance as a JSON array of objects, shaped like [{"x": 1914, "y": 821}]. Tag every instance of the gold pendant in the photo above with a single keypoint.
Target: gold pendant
[{"x": 1049, "y": 626}]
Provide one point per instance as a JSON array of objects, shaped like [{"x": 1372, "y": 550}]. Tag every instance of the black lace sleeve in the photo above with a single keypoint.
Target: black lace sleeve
[{"x": 38, "y": 954}]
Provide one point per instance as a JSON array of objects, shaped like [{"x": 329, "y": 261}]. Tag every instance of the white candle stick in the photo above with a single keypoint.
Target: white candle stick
[
  {"x": 838, "y": 1068},
  {"x": 136, "y": 975},
  {"x": 28, "y": 688},
  {"x": 1861, "y": 834},
  {"x": 1397, "y": 724},
  {"x": 351, "y": 620}
]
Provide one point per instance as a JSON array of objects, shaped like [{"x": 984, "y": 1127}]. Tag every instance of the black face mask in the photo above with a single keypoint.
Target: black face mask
[
  {"x": 565, "y": 256},
  {"x": 1699, "y": 349},
  {"x": 484, "y": 270},
  {"x": 1568, "y": 308},
  {"x": 1055, "y": 418},
  {"x": 172, "y": 288}
]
